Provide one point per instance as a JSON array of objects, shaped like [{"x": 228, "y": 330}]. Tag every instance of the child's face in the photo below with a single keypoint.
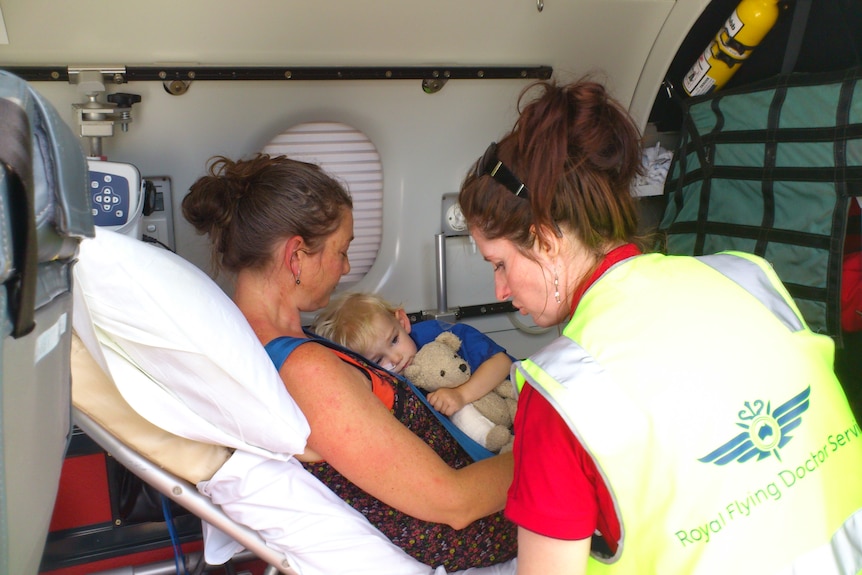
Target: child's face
[{"x": 392, "y": 348}]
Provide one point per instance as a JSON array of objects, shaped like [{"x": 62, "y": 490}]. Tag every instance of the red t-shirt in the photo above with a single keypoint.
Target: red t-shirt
[
  {"x": 851, "y": 273},
  {"x": 557, "y": 490}
]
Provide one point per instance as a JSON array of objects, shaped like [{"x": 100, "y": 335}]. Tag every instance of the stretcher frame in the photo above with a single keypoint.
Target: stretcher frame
[{"x": 183, "y": 493}]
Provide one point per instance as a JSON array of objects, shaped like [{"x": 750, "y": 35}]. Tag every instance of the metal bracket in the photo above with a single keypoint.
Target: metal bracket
[
  {"x": 109, "y": 74},
  {"x": 96, "y": 118},
  {"x": 176, "y": 87},
  {"x": 436, "y": 82}
]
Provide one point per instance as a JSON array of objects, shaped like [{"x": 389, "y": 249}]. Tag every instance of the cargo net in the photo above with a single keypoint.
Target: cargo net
[{"x": 771, "y": 169}]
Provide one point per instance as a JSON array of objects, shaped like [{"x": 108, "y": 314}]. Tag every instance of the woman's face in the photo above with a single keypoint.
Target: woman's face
[
  {"x": 527, "y": 282},
  {"x": 329, "y": 264}
]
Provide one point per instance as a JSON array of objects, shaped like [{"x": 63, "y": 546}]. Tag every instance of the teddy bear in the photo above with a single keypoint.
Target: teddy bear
[{"x": 488, "y": 420}]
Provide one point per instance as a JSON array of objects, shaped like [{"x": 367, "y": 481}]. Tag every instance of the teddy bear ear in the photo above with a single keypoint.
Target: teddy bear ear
[{"x": 450, "y": 340}]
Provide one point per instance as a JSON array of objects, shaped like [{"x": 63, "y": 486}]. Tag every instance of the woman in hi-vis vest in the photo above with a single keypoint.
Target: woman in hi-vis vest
[{"x": 686, "y": 420}]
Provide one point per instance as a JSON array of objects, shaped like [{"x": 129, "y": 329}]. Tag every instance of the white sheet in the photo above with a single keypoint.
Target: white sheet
[{"x": 320, "y": 533}]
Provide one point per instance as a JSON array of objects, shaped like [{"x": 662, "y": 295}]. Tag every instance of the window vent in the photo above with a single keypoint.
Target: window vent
[{"x": 350, "y": 157}]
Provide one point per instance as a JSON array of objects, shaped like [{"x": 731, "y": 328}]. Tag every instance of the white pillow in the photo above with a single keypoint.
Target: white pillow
[
  {"x": 95, "y": 394},
  {"x": 186, "y": 358}
]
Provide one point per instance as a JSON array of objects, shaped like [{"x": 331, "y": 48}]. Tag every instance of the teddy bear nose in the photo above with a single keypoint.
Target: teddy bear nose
[
  {"x": 463, "y": 367},
  {"x": 442, "y": 373}
]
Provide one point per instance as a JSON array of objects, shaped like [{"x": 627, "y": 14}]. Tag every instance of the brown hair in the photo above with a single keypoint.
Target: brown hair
[
  {"x": 248, "y": 206},
  {"x": 578, "y": 152},
  {"x": 348, "y": 320}
]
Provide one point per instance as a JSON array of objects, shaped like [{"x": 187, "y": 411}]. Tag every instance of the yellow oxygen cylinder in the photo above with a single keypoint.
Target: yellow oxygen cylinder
[{"x": 733, "y": 44}]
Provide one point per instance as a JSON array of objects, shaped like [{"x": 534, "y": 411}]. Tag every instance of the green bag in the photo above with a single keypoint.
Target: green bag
[{"x": 770, "y": 168}]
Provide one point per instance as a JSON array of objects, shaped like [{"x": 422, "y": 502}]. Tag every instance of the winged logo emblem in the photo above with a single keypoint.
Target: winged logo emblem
[{"x": 766, "y": 430}]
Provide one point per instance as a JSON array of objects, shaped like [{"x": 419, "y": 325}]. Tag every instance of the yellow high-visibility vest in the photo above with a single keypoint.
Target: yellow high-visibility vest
[{"x": 714, "y": 416}]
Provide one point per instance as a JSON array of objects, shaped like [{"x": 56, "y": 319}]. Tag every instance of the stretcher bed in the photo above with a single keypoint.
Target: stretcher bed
[{"x": 168, "y": 377}]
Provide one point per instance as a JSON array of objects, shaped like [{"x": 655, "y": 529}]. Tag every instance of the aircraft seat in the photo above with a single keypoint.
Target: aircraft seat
[{"x": 44, "y": 214}]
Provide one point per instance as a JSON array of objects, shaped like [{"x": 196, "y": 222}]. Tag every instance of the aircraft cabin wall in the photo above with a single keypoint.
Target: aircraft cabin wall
[{"x": 426, "y": 141}]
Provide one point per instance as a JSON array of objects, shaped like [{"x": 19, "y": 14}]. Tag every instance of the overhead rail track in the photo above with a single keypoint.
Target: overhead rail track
[{"x": 433, "y": 77}]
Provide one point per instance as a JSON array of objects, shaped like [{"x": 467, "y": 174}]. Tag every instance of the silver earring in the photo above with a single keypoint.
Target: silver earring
[
  {"x": 297, "y": 279},
  {"x": 557, "y": 288}
]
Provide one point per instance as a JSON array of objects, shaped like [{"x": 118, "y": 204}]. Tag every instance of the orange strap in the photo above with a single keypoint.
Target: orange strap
[{"x": 383, "y": 389}]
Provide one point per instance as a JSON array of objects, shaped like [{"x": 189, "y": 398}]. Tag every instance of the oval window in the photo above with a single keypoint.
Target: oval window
[{"x": 351, "y": 158}]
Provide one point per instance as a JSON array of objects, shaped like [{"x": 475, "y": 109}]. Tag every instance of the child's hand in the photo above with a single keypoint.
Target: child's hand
[{"x": 446, "y": 401}]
